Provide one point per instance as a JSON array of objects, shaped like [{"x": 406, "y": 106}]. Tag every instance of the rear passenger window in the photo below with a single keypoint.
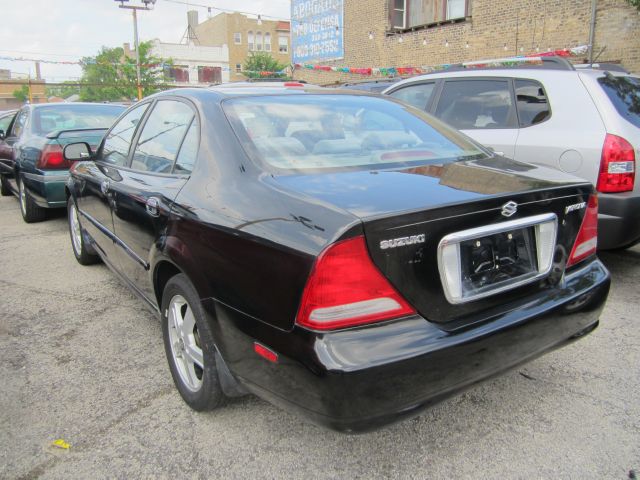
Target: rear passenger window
[
  {"x": 473, "y": 104},
  {"x": 189, "y": 149},
  {"x": 162, "y": 136},
  {"x": 533, "y": 106},
  {"x": 116, "y": 146},
  {"x": 415, "y": 95}
]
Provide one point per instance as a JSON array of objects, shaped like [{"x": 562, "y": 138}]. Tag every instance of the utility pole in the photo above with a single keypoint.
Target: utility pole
[{"x": 134, "y": 9}]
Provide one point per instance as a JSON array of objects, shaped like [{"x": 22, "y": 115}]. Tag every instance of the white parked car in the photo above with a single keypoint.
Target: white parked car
[{"x": 582, "y": 121}]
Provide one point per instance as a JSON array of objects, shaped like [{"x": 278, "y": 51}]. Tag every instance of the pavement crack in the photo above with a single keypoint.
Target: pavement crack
[{"x": 529, "y": 377}]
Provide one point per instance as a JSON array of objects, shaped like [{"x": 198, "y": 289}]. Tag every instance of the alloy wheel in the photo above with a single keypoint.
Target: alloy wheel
[
  {"x": 185, "y": 343},
  {"x": 76, "y": 233},
  {"x": 23, "y": 197}
]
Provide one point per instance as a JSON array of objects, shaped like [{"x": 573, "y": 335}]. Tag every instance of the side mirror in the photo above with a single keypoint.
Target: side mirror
[
  {"x": 1, "y": 134},
  {"x": 75, "y": 152}
]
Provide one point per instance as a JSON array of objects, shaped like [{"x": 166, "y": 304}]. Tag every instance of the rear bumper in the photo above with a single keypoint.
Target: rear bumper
[
  {"x": 364, "y": 378},
  {"x": 47, "y": 187},
  {"x": 618, "y": 220}
]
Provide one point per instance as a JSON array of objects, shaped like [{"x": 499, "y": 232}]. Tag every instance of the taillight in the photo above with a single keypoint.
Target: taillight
[
  {"x": 51, "y": 158},
  {"x": 617, "y": 166},
  {"x": 345, "y": 288},
  {"x": 587, "y": 239}
]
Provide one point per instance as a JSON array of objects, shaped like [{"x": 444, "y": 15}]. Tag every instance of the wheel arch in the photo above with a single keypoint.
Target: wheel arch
[{"x": 163, "y": 271}]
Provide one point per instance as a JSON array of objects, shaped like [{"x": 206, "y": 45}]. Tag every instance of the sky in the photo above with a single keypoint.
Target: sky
[{"x": 66, "y": 30}]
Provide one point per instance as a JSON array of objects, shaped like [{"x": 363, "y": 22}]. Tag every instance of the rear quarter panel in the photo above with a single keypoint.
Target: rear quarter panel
[
  {"x": 241, "y": 239},
  {"x": 571, "y": 140},
  {"x": 613, "y": 121}
]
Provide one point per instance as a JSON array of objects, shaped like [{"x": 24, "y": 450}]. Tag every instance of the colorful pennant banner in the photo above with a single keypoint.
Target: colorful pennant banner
[{"x": 531, "y": 59}]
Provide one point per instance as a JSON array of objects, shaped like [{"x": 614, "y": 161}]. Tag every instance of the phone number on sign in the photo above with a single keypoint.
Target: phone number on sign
[{"x": 326, "y": 47}]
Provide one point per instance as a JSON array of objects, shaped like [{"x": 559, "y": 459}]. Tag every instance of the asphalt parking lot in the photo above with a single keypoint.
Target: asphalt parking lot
[{"x": 81, "y": 359}]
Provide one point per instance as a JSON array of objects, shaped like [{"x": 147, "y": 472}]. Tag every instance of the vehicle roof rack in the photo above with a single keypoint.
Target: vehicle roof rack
[
  {"x": 613, "y": 67},
  {"x": 548, "y": 63},
  {"x": 272, "y": 79},
  {"x": 376, "y": 80}
]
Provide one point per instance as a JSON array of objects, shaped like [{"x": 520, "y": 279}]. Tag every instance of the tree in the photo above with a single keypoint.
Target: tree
[
  {"x": 118, "y": 74},
  {"x": 261, "y": 65},
  {"x": 635, "y": 3},
  {"x": 22, "y": 93},
  {"x": 63, "y": 91}
]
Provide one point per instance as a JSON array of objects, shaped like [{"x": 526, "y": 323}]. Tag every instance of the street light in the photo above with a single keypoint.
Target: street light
[{"x": 148, "y": 5}]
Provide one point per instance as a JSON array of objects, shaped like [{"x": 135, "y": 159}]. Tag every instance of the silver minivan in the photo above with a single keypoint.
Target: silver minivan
[{"x": 582, "y": 121}]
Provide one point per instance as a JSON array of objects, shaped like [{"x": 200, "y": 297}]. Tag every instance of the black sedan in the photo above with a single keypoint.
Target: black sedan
[{"x": 337, "y": 253}]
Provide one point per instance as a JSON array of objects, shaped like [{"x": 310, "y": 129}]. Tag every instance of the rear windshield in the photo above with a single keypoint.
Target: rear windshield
[
  {"x": 624, "y": 93},
  {"x": 318, "y": 132},
  {"x": 69, "y": 117}
]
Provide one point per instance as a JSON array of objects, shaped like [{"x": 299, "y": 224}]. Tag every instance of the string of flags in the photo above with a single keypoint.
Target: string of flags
[
  {"x": 143, "y": 65},
  {"x": 77, "y": 62},
  {"x": 530, "y": 59},
  {"x": 533, "y": 58}
]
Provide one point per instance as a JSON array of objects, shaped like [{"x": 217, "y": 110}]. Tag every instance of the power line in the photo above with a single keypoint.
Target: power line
[
  {"x": 31, "y": 52},
  {"x": 226, "y": 10}
]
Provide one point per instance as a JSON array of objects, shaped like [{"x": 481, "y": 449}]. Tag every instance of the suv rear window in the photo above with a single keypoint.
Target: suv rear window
[
  {"x": 319, "y": 132},
  {"x": 624, "y": 93}
]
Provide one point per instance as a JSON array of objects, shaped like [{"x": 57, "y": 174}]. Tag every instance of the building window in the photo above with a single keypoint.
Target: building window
[
  {"x": 250, "y": 40},
  {"x": 238, "y": 68},
  {"x": 415, "y": 13},
  {"x": 237, "y": 38},
  {"x": 398, "y": 16},
  {"x": 177, "y": 73},
  {"x": 283, "y": 44},
  {"x": 209, "y": 74},
  {"x": 267, "y": 42},
  {"x": 259, "y": 41},
  {"x": 456, "y": 9}
]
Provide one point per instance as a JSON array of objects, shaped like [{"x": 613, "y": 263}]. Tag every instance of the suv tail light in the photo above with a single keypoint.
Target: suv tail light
[
  {"x": 617, "y": 166},
  {"x": 587, "y": 239},
  {"x": 345, "y": 288},
  {"x": 51, "y": 158}
]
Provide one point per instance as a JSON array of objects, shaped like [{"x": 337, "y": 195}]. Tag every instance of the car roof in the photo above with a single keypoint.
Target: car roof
[
  {"x": 40, "y": 106},
  {"x": 540, "y": 72},
  {"x": 244, "y": 89}
]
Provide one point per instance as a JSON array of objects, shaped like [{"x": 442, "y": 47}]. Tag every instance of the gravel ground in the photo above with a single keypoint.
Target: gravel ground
[{"x": 81, "y": 359}]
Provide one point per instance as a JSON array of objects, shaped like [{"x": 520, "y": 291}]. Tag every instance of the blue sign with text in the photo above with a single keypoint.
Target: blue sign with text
[{"x": 317, "y": 30}]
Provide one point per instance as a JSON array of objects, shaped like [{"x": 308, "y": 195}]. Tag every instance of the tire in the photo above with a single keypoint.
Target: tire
[
  {"x": 31, "y": 212},
  {"x": 83, "y": 253},
  {"x": 5, "y": 191},
  {"x": 189, "y": 345}
]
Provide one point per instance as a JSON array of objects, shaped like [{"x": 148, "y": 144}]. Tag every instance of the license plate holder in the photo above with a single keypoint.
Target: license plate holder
[{"x": 483, "y": 261}]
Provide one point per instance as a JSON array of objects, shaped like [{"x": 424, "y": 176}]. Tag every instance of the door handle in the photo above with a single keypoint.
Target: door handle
[
  {"x": 104, "y": 187},
  {"x": 153, "y": 206}
]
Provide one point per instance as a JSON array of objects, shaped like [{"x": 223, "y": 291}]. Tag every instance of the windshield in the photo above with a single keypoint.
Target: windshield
[
  {"x": 624, "y": 93},
  {"x": 69, "y": 117},
  {"x": 325, "y": 131}
]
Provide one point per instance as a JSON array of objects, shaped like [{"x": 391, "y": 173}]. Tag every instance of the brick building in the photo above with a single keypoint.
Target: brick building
[
  {"x": 244, "y": 35},
  {"x": 385, "y": 33},
  {"x": 8, "y": 86}
]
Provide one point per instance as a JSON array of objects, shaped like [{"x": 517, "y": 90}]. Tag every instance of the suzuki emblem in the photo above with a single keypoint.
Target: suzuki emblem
[{"x": 509, "y": 208}]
